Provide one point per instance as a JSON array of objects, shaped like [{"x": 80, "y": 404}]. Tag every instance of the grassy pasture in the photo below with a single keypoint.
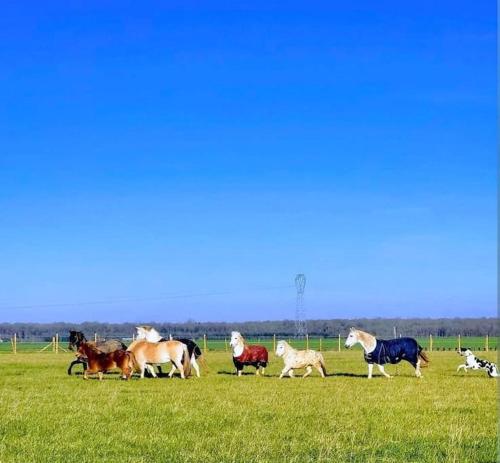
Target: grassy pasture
[{"x": 48, "y": 416}]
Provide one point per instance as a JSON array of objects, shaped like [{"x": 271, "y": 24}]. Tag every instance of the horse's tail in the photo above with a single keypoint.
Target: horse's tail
[
  {"x": 322, "y": 364},
  {"x": 186, "y": 361},
  {"x": 132, "y": 360},
  {"x": 423, "y": 356},
  {"x": 201, "y": 358}
]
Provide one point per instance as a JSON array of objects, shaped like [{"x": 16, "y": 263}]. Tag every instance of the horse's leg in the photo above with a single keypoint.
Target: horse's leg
[
  {"x": 172, "y": 370},
  {"x": 263, "y": 371},
  {"x": 100, "y": 374},
  {"x": 460, "y": 367},
  {"x": 290, "y": 373},
  {"x": 370, "y": 370},
  {"x": 284, "y": 372},
  {"x": 74, "y": 362},
  {"x": 181, "y": 369},
  {"x": 382, "y": 370},
  {"x": 257, "y": 367},
  {"x": 239, "y": 372},
  {"x": 151, "y": 370},
  {"x": 418, "y": 373},
  {"x": 308, "y": 371},
  {"x": 318, "y": 367},
  {"x": 194, "y": 364}
]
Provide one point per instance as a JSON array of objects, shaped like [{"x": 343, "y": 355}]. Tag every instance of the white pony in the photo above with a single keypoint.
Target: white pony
[
  {"x": 299, "y": 359},
  {"x": 148, "y": 333}
]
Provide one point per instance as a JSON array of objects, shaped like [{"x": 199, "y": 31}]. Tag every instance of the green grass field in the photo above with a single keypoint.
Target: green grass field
[{"x": 48, "y": 416}]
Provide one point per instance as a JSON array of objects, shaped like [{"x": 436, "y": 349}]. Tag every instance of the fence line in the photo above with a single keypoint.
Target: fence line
[{"x": 321, "y": 343}]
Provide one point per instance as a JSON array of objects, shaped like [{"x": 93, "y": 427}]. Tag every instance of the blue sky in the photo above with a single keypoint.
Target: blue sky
[{"x": 185, "y": 161}]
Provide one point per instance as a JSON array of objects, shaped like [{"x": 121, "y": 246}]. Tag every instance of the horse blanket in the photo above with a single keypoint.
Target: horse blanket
[
  {"x": 393, "y": 351},
  {"x": 252, "y": 355}
]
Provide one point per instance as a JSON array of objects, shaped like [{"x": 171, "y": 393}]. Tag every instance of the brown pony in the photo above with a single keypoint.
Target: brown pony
[{"x": 99, "y": 362}]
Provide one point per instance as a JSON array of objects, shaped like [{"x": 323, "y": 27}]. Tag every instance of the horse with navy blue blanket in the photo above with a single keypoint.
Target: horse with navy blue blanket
[{"x": 382, "y": 351}]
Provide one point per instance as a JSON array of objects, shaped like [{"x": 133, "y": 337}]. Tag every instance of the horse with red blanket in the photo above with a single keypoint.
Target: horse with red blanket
[{"x": 246, "y": 354}]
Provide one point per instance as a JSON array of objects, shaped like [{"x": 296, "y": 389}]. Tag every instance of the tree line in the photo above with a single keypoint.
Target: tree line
[{"x": 383, "y": 327}]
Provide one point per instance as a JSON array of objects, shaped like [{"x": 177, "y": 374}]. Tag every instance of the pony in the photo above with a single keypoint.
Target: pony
[
  {"x": 299, "y": 359},
  {"x": 77, "y": 337},
  {"x": 160, "y": 352},
  {"x": 381, "y": 351},
  {"x": 245, "y": 354},
  {"x": 100, "y": 362},
  {"x": 149, "y": 334}
]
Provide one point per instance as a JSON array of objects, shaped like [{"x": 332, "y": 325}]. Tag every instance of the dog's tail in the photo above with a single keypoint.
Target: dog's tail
[{"x": 423, "y": 356}]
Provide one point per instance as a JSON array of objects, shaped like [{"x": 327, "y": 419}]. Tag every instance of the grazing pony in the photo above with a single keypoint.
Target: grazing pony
[
  {"x": 299, "y": 359},
  {"x": 246, "y": 354},
  {"x": 149, "y": 334},
  {"x": 100, "y": 362},
  {"x": 474, "y": 363},
  {"x": 77, "y": 337},
  {"x": 381, "y": 351},
  {"x": 160, "y": 352}
]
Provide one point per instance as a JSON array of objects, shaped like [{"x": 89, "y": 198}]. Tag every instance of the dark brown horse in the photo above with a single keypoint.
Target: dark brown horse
[
  {"x": 77, "y": 337},
  {"x": 100, "y": 362}
]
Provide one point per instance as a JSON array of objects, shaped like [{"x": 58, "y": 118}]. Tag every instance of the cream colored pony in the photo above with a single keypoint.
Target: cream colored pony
[
  {"x": 155, "y": 353},
  {"x": 294, "y": 358}
]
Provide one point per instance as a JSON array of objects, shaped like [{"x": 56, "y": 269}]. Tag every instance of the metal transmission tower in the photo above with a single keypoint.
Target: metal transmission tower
[{"x": 300, "y": 311}]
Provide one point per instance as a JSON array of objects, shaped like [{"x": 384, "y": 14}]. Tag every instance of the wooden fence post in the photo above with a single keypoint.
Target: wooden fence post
[
  {"x": 95, "y": 337},
  {"x": 487, "y": 343},
  {"x": 430, "y": 342},
  {"x": 339, "y": 342},
  {"x": 57, "y": 343},
  {"x": 205, "y": 343},
  {"x": 14, "y": 344},
  {"x": 307, "y": 342},
  {"x": 53, "y": 343},
  {"x": 225, "y": 344},
  {"x": 320, "y": 344},
  {"x": 274, "y": 343},
  {"x": 459, "y": 343}
]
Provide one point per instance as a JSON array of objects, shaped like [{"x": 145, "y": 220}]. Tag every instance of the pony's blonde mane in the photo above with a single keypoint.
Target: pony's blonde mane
[{"x": 368, "y": 340}]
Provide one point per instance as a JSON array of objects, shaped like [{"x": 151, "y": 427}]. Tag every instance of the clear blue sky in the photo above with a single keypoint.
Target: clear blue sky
[{"x": 212, "y": 150}]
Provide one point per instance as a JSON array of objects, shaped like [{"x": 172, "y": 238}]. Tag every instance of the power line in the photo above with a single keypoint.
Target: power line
[{"x": 141, "y": 299}]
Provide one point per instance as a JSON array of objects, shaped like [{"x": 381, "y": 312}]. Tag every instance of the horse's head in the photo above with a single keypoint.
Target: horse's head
[
  {"x": 75, "y": 338},
  {"x": 83, "y": 349},
  {"x": 352, "y": 338},
  {"x": 236, "y": 339},
  {"x": 147, "y": 333},
  {"x": 281, "y": 348}
]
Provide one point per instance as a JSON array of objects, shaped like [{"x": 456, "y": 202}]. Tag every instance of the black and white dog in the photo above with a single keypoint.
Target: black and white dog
[{"x": 472, "y": 362}]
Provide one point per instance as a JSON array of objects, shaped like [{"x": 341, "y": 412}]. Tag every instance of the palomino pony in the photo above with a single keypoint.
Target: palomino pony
[
  {"x": 100, "y": 362},
  {"x": 299, "y": 359},
  {"x": 77, "y": 337},
  {"x": 149, "y": 334},
  {"x": 381, "y": 351},
  {"x": 154, "y": 353},
  {"x": 245, "y": 354}
]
